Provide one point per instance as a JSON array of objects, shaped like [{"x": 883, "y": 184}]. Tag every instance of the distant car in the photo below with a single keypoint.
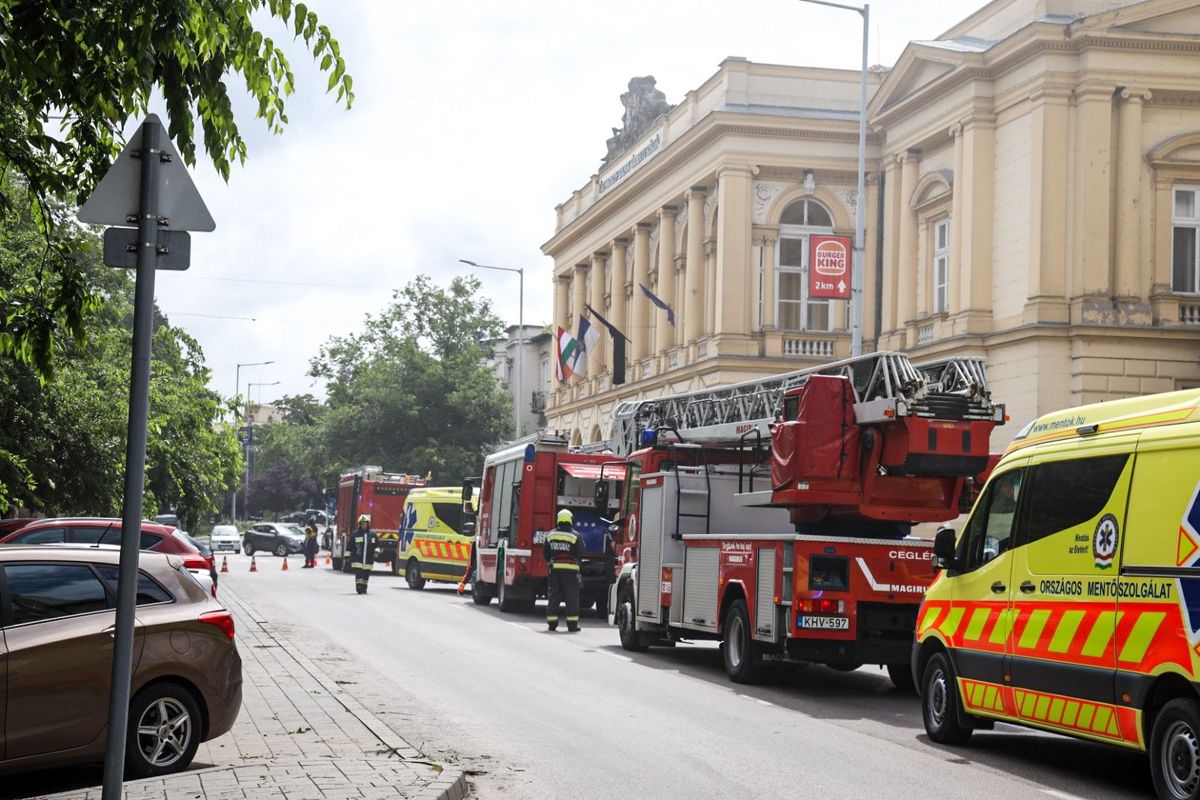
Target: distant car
[
  {"x": 168, "y": 519},
  {"x": 225, "y": 537},
  {"x": 294, "y": 518},
  {"x": 57, "y": 613},
  {"x": 273, "y": 537},
  {"x": 7, "y": 526},
  {"x": 315, "y": 516}
]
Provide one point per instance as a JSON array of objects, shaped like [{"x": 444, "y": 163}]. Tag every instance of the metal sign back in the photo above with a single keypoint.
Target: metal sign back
[
  {"x": 115, "y": 201},
  {"x": 174, "y": 249}
]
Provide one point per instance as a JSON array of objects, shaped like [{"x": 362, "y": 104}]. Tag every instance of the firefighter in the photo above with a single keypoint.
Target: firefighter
[
  {"x": 562, "y": 551},
  {"x": 362, "y": 552}
]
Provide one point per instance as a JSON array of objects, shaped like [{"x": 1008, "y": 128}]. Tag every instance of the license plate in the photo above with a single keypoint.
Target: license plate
[
  {"x": 824, "y": 623},
  {"x": 539, "y": 537}
]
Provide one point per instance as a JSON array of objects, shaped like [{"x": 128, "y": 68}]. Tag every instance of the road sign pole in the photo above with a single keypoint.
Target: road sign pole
[{"x": 135, "y": 459}]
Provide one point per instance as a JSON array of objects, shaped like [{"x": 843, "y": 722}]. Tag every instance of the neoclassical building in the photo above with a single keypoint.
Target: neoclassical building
[{"x": 1033, "y": 196}]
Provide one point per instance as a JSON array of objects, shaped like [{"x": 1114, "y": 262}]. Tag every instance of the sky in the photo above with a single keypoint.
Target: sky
[{"x": 472, "y": 120}]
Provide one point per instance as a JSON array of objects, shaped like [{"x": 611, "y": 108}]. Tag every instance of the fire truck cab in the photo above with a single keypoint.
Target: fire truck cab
[
  {"x": 381, "y": 496},
  {"x": 524, "y": 486}
]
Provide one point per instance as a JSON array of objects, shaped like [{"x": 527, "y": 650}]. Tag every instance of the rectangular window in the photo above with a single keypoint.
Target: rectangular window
[
  {"x": 941, "y": 266},
  {"x": 1185, "y": 229},
  {"x": 46, "y": 591},
  {"x": 794, "y": 310}
]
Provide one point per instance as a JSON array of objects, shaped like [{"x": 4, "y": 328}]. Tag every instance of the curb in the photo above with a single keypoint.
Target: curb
[{"x": 450, "y": 785}]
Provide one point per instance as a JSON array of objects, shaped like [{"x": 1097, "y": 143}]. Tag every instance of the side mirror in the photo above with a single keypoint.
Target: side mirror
[
  {"x": 468, "y": 491},
  {"x": 600, "y": 498},
  {"x": 943, "y": 548}
]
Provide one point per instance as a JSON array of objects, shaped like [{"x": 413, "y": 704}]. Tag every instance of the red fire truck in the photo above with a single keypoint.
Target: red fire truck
[
  {"x": 381, "y": 496},
  {"x": 524, "y": 486},
  {"x": 775, "y": 515}
]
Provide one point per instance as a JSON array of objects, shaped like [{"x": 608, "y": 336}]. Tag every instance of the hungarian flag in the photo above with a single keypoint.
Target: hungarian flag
[{"x": 568, "y": 355}]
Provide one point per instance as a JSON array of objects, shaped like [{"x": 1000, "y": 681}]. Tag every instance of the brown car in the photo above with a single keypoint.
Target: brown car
[{"x": 57, "y": 622}]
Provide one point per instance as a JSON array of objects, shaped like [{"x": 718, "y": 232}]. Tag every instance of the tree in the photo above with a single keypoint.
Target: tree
[
  {"x": 411, "y": 392},
  {"x": 73, "y": 74}
]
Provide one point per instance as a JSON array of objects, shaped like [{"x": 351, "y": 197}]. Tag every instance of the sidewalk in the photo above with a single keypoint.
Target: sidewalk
[{"x": 299, "y": 736}]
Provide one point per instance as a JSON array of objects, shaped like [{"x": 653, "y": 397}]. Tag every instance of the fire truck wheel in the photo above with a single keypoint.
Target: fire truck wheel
[
  {"x": 337, "y": 564},
  {"x": 412, "y": 575},
  {"x": 939, "y": 703},
  {"x": 902, "y": 678},
  {"x": 507, "y": 603},
  {"x": 631, "y": 640},
  {"x": 1175, "y": 750},
  {"x": 743, "y": 662},
  {"x": 482, "y": 593}
]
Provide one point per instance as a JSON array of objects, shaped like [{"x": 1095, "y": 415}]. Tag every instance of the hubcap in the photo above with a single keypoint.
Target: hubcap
[
  {"x": 938, "y": 699},
  {"x": 734, "y": 644},
  {"x": 164, "y": 732},
  {"x": 1181, "y": 760}
]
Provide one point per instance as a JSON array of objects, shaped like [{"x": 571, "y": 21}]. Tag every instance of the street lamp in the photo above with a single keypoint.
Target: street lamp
[
  {"x": 246, "y": 460},
  {"x": 520, "y": 387},
  {"x": 856, "y": 276},
  {"x": 237, "y": 389}
]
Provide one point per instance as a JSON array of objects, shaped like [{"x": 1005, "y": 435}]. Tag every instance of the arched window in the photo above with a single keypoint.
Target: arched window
[{"x": 795, "y": 311}]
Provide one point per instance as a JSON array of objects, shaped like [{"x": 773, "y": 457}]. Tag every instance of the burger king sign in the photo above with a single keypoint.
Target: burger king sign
[{"x": 829, "y": 266}]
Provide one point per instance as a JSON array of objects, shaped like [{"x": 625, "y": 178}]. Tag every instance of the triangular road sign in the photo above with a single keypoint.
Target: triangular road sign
[{"x": 116, "y": 198}]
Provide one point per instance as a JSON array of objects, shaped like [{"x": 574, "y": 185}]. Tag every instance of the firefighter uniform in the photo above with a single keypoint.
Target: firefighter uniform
[
  {"x": 362, "y": 553},
  {"x": 562, "y": 551}
]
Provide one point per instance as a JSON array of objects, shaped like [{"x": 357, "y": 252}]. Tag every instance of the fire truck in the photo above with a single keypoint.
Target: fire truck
[
  {"x": 381, "y": 496},
  {"x": 524, "y": 486},
  {"x": 775, "y": 515}
]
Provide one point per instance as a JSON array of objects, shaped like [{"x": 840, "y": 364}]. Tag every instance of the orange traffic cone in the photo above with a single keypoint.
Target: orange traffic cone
[
  {"x": 327, "y": 561},
  {"x": 285, "y": 566},
  {"x": 253, "y": 564},
  {"x": 225, "y": 564}
]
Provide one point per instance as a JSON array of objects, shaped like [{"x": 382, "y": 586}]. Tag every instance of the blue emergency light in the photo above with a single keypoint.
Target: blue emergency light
[
  {"x": 530, "y": 452},
  {"x": 649, "y": 437}
]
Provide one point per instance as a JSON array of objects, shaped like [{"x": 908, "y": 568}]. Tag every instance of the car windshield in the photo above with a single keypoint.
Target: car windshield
[{"x": 224, "y": 530}]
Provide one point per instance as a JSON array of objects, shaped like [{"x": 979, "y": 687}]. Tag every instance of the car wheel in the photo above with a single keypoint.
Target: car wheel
[
  {"x": 902, "y": 678},
  {"x": 631, "y": 639},
  {"x": 247, "y": 549},
  {"x": 281, "y": 549},
  {"x": 939, "y": 703},
  {"x": 412, "y": 574},
  {"x": 1175, "y": 750},
  {"x": 742, "y": 660},
  {"x": 164, "y": 731}
]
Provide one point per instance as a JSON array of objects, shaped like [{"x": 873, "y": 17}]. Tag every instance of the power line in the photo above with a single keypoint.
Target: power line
[
  {"x": 292, "y": 283},
  {"x": 260, "y": 319}
]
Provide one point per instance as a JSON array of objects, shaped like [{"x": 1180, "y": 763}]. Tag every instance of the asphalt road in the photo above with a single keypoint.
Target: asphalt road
[{"x": 536, "y": 714}]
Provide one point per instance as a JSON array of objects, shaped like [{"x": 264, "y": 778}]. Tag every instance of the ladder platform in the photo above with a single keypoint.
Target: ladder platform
[{"x": 753, "y": 499}]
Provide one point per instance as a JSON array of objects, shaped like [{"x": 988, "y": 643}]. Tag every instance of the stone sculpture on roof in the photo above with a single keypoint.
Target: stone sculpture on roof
[{"x": 644, "y": 103}]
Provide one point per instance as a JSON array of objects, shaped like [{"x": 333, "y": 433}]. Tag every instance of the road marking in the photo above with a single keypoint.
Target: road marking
[
  {"x": 765, "y": 703},
  {"x": 613, "y": 655},
  {"x": 1061, "y": 795},
  {"x": 517, "y": 625}
]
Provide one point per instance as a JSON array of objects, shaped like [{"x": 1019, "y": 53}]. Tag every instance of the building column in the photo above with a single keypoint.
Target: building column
[
  {"x": 891, "y": 249},
  {"x": 1049, "y": 153},
  {"x": 578, "y": 298},
  {"x": 1092, "y": 216},
  {"x": 767, "y": 247},
  {"x": 664, "y": 332},
  {"x": 955, "y": 278},
  {"x": 562, "y": 302},
  {"x": 710, "y": 284},
  {"x": 975, "y": 229},
  {"x": 693, "y": 292},
  {"x": 1130, "y": 284},
  {"x": 597, "y": 356},
  {"x": 616, "y": 288},
  {"x": 639, "y": 311},
  {"x": 906, "y": 273},
  {"x": 733, "y": 285}
]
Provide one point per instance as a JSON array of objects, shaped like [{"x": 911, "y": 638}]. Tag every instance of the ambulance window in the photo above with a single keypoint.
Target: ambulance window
[
  {"x": 989, "y": 533},
  {"x": 451, "y": 515},
  {"x": 1064, "y": 494}
]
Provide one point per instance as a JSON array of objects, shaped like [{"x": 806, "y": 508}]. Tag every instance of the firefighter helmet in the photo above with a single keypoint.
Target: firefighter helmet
[
  {"x": 364, "y": 518},
  {"x": 565, "y": 515}
]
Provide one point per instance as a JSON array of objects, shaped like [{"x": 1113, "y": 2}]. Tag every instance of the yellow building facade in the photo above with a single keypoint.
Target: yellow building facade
[{"x": 1033, "y": 197}]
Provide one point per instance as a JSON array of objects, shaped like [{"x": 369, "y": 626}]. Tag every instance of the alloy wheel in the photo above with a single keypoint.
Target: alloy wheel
[{"x": 164, "y": 732}]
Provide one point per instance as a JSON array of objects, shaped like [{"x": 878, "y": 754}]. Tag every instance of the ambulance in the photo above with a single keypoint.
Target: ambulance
[
  {"x": 1071, "y": 600},
  {"x": 436, "y": 531}
]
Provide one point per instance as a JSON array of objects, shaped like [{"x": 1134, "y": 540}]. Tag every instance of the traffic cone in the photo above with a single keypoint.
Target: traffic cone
[
  {"x": 224, "y": 564},
  {"x": 285, "y": 566},
  {"x": 253, "y": 564},
  {"x": 328, "y": 563}
]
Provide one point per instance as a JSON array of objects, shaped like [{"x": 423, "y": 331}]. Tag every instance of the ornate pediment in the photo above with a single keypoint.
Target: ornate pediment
[
  {"x": 644, "y": 103},
  {"x": 1173, "y": 17},
  {"x": 920, "y": 65}
]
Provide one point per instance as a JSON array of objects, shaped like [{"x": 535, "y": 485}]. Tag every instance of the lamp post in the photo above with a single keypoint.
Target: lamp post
[
  {"x": 237, "y": 389},
  {"x": 520, "y": 386},
  {"x": 856, "y": 276},
  {"x": 246, "y": 460}
]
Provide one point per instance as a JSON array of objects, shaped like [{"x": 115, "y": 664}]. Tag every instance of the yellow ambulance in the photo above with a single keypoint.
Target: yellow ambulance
[
  {"x": 1071, "y": 601},
  {"x": 435, "y": 537}
]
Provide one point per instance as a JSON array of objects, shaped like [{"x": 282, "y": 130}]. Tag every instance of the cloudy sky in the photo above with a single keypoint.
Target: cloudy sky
[{"x": 472, "y": 121}]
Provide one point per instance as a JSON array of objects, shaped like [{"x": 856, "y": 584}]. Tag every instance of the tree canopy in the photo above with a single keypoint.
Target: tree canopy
[{"x": 73, "y": 74}]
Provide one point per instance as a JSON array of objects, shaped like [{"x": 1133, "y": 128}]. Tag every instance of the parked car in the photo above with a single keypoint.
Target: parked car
[
  {"x": 315, "y": 516},
  {"x": 169, "y": 520},
  {"x": 294, "y": 518},
  {"x": 57, "y": 612},
  {"x": 107, "y": 530},
  {"x": 225, "y": 537},
  {"x": 273, "y": 537},
  {"x": 205, "y": 551},
  {"x": 16, "y": 523}
]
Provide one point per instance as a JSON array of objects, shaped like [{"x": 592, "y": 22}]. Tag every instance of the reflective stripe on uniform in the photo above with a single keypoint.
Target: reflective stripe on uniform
[
  {"x": 564, "y": 566},
  {"x": 553, "y": 618},
  {"x": 573, "y": 619}
]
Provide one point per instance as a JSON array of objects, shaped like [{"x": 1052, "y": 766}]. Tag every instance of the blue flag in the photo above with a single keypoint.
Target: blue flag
[{"x": 653, "y": 298}]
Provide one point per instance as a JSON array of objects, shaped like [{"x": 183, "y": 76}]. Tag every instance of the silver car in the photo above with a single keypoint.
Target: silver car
[{"x": 225, "y": 537}]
